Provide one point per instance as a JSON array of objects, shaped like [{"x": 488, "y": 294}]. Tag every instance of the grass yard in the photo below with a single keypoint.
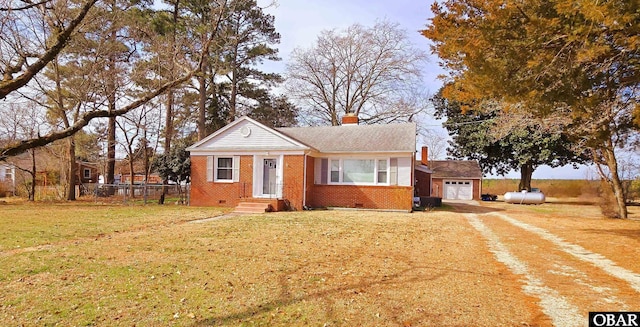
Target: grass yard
[{"x": 77, "y": 264}]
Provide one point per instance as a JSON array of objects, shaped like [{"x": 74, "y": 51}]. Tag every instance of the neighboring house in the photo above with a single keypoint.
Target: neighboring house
[
  {"x": 123, "y": 173},
  {"x": 448, "y": 179},
  {"x": 7, "y": 179},
  {"x": 355, "y": 166},
  {"x": 139, "y": 178},
  {"x": 87, "y": 173}
]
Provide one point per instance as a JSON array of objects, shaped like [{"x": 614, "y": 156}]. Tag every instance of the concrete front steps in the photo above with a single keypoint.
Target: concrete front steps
[{"x": 252, "y": 207}]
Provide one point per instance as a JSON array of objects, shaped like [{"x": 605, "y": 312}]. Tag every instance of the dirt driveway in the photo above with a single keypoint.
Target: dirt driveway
[{"x": 563, "y": 255}]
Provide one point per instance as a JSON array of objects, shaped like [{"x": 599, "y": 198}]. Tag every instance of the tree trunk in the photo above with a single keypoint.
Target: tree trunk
[
  {"x": 32, "y": 191},
  {"x": 132, "y": 174},
  {"x": 71, "y": 187},
  {"x": 615, "y": 183},
  {"x": 111, "y": 103},
  {"x": 146, "y": 156},
  {"x": 234, "y": 86},
  {"x": 111, "y": 148},
  {"x": 202, "y": 107},
  {"x": 168, "y": 129},
  {"x": 168, "y": 134},
  {"x": 526, "y": 171}
]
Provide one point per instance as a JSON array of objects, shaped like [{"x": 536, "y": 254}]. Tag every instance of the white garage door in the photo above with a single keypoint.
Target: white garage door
[{"x": 458, "y": 190}]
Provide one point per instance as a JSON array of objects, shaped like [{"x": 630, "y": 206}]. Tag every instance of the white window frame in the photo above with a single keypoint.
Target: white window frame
[
  {"x": 86, "y": 173},
  {"x": 375, "y": 171},
  {"x": 8, "y": 173},
  {"x": 235, "y": 168}
]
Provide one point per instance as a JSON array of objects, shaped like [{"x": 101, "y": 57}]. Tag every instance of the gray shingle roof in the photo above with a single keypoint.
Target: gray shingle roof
[
  {"x": 455, "y": 169},
  {"x": 356, "y": 138}
]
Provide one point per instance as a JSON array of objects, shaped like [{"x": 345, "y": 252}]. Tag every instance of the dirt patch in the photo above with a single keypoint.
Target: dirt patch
[{"x": 568, "y": 249}]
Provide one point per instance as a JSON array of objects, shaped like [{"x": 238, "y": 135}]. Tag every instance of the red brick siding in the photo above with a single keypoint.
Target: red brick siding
[
  {"x": 423, "y": 183},
  {"x": 205, "y": 193},
  {"x": 293, "y": 188},
  {"x": 477, "y": 188},
  {"x": 436, "y": 187},
  {"x": 369, "y": 197},
  {"x": 310, "y": 179}
]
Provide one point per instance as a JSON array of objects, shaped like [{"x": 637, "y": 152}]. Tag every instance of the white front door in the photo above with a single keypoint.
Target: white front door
[{"x": 269, "y": 177}]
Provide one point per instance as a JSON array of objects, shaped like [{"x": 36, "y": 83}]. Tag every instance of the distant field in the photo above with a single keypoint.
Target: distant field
[{"x": 551, "y": 187}]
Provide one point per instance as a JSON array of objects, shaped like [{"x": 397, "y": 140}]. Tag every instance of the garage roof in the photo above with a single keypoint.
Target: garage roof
[{"x": 457, "y": 169}]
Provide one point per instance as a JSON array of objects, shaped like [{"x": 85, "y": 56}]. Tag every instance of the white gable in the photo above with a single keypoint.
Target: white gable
[{"x": 246, "y": 135}]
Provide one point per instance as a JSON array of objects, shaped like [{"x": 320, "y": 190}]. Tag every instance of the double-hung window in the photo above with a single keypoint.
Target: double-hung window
[
  {"x": 383, "y": 167},
  {"x": 335, "y": 171},
  {"x": 224, "y": 169},
  {"x": 8, "y": 174}
]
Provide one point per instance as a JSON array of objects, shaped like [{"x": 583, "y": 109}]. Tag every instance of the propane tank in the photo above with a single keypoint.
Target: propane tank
[{"x": 524, "y": 197}]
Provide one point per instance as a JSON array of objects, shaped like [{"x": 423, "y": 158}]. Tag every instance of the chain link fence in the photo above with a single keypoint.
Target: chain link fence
[{"x": 136, "y": 193}]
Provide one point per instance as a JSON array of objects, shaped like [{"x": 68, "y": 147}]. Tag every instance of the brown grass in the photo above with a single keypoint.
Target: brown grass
[
  {"x": 106, "y": 265},
  {"x": 551, "y": 187},
  {"x": 303, "y": 268}
]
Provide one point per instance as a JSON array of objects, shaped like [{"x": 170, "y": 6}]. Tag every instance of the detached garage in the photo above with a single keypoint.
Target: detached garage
[
  {"x": 448, "y": 179},
  {"x": 457, "y": 190}
]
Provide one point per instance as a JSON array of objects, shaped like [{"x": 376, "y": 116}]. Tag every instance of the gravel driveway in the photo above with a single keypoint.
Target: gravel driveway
[{"x": 569, "y": 262}]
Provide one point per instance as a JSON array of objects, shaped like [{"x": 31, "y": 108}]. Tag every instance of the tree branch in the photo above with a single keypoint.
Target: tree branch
[
  {"x": 9, "y": 85},
  {"x": 84, "y": 120},
  {"x": 29, "y": 6}
]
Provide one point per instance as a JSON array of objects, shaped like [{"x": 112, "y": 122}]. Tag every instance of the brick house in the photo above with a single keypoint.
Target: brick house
[
  {"x": 448, "y": 179},
  {"x": 355, "y": 166},
  {"x": 86, "y": 172}
]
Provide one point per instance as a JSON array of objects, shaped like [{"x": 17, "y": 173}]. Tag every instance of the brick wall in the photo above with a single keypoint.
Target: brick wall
[
  {"x": 423, "y": 183},
  {"x": 437, "y": 187},
  {"x": 310, "y": 179},
  {"x": 292, "y": 190},
  {"x": 368, "y": 197},
  {"x": 205, "y": 193}
]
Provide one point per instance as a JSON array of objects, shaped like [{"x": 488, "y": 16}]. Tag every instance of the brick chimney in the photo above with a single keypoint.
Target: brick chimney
[
  {"x": 350, "y": 119},
  {"x": 424, "y": 159}
]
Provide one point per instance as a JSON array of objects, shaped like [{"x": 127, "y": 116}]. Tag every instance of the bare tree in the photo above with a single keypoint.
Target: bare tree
[
  {"x": 23, "y": 59},
  {"x": 437, "y": 143},
  {"x": 373, "y": 72},
  {"x": 18, "y": 121},
  {"x": 22, "y": 38},
  {"x": 132, "y": 130}
]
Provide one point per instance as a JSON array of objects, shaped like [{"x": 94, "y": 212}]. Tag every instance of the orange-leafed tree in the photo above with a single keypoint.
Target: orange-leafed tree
[{"x": 577, "y": 57}]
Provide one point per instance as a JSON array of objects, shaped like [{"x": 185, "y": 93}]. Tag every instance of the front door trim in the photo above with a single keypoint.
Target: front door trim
[{"x": 259, "y": 176}]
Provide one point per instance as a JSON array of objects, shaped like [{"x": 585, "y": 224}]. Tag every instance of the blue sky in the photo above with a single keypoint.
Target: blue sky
[{"x": 299, "y": 22}]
